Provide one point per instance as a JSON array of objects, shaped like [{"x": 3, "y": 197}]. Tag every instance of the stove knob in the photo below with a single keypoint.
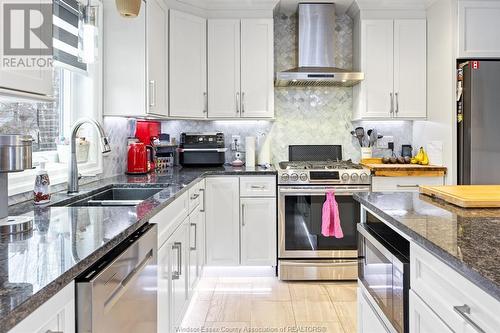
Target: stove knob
[
  {"x": 303, "y": 177},
  {"x": 354, "y": 177},
  {"x": 294, "y": 177},
  {"x": 345, "y": 177},
  {"x": 363, "y": 177},
  {"x": 285, "y": 177}
]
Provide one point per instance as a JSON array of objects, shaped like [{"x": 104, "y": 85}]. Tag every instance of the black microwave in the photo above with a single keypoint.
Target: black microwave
[{"x": 384, "y": 270}]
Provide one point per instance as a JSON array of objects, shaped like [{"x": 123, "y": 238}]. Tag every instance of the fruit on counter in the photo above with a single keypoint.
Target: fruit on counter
[
  {"x": 386, "y": 160},
  {"x": 421, "y": 158},
  {"x": 407, "y": 159},
  {"x": 393, "y": 160},
  {"x": 401, "y": 160}
]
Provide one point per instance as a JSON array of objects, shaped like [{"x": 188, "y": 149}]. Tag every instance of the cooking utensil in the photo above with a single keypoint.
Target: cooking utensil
[
  {"x": 373, "y": 137},
  {"x": 360, "y": 134}
]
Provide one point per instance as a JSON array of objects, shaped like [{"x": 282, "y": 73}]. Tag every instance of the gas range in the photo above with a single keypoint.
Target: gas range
[{"x": 341, "y": 172}]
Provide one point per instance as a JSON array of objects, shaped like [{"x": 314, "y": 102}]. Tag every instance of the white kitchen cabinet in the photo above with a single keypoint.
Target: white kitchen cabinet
[
  {"x": 403, "y": 184},
  {"x": 258, "y": 231},
  {"x": 257, "y": 68},
  {"x": 187, "y": 65},
  {"x": 392, "y": 54},
  {"x": 478, "y": 29},
  {"x": 428, "y": 274},
  {"x": 135, "y": 56},
  {"x": 422, "y": 318},
  {"x": 410, "y": 68},
  {"x": 224, "y": 68},
  {"x": 368, "y": 319},
  {"x": 36, "y": 83},
  {"x": 222, "y": 220},
  {"x": 195, "y": 248},
  {"x": 377, "y": 63},
  {"x": 172, "y": 279},
  {"x": 55, "y": 315},
  {"x": 157, "y": 54},
  {"x": 240, "y": 68}
]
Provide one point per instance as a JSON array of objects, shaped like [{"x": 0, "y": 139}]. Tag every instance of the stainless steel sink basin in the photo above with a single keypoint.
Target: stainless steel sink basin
[{"x": 114, "y": 196}]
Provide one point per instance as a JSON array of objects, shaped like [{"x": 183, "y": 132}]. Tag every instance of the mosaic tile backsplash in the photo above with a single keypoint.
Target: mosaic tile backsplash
[{"x": 310, "y": 115}]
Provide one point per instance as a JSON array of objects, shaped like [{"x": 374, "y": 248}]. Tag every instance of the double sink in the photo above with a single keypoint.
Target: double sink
[{"x": 114, "y": 195}]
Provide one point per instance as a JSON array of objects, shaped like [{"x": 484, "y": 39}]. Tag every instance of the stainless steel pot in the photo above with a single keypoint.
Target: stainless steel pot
[{"x": 15, "y": 152}]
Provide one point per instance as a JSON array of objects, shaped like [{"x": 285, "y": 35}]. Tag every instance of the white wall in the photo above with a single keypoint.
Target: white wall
[{"x": 441, "y": 63}]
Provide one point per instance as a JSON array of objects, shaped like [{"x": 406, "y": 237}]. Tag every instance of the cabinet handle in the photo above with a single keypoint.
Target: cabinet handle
[
  {"x": 193, "y": 248},
  {"x": 258, "y": 187},
  {"x": 51, "y": 331},
  {"x": 392, "y": 104},
  {"x": 205, "y": 102},
  {"x": 202, "y": 210},
  {"x": 195, "y": 196},
  {"x": 397, "y": 103},
  {"x": 242, "y": 215},
  {"x": 177, "y": 274},
  {"x": 464, "y": 312},
  {"x": 407, "y": 186},
  {"x": 152, "y": 93},
  {"x": 237, "y": 102},
  {"x": 243, "y": 102}
]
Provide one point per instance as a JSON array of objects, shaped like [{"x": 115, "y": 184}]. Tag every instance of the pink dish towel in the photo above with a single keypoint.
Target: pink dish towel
[{"x": 330, "y": 220}]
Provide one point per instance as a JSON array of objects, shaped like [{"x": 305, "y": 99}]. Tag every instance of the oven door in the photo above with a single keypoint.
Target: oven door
[{"x": 299, "y": 228}]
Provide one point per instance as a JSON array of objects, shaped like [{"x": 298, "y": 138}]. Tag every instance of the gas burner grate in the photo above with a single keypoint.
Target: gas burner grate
[{"x": 319, "y": 165}]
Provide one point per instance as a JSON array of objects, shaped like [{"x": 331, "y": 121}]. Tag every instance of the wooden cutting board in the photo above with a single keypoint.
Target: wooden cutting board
[
  {"x": 404, "y": 170},
  {"x": 467, "y": 196}
]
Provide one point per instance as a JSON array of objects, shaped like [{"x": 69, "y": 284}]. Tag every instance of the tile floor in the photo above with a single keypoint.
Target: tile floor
[{"x": 265, "y": 304}]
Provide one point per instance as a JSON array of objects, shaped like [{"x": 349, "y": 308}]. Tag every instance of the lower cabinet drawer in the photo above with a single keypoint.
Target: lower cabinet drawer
[
  {"x": 463, "y": 306},
  {"x": 423, "y": 319},
  {"x": 258, "y": 186},
  {"x": 403, "y": 184},
  {"x": 170, "y": 217}
]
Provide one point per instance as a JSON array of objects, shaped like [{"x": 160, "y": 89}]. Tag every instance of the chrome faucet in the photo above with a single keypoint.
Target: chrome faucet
[{"x": 73, "y": 166}]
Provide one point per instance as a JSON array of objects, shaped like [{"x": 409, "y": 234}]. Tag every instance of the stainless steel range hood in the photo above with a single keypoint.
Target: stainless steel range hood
[{"x": 317, "y": 51}]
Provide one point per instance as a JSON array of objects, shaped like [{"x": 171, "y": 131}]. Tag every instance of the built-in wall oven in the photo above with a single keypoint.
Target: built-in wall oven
[
  {"x": 384, "y": 272},
  {"x": 304, "y": 253}
]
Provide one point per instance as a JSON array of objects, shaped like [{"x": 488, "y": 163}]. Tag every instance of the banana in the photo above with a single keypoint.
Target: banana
[
  {"x": 420, "y": 156},
  {"x": 425, "y": 159},
  {"x": 413, "y": 161}
]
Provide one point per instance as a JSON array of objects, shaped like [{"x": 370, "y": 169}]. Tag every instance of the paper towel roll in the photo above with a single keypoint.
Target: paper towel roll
[
  {"x": 264, "y": 150},
  {"x": 250, "y": 151}
]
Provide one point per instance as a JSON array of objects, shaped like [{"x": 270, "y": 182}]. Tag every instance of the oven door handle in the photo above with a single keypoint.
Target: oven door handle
[
  {"x": 322, "y": 190},
  {"x": 373, "y": 241}
]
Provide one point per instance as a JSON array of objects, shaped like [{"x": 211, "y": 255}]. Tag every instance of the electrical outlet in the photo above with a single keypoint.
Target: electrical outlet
[
  {"x": 384, "y": 142},
  {"x": 235, "y": 142},
  {"x": 238, "y": 155}
]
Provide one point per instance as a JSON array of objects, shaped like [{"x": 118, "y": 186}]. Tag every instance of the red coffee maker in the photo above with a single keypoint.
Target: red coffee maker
[{"x": 138, "y": 162}]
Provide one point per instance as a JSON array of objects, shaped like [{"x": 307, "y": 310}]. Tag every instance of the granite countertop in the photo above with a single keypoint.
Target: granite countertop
[
  {"x": 468, "y": 240},
  {"x": 67, "y": 240}
]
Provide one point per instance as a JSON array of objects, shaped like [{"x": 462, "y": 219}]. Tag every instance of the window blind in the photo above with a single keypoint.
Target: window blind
[{"x": 65, "y": 33}]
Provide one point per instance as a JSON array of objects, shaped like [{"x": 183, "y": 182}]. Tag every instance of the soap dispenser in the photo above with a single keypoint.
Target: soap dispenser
[{"x": 41, "y": 194}]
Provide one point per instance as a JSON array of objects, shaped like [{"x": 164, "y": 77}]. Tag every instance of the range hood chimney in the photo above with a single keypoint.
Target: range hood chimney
[{"x": 317, "y": 51}]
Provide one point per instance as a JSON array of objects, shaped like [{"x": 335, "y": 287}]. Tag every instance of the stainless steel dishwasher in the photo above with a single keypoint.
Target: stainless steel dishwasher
[{"x": 119, "y": 293}]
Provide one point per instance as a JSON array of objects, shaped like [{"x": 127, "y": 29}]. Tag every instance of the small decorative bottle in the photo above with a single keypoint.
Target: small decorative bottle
[{"x": 41, "y": 194}]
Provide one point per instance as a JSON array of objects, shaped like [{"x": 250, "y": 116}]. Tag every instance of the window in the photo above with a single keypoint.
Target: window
[{"x": 78, "y": 93}]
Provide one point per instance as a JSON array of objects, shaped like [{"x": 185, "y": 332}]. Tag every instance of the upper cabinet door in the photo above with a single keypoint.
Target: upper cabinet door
[
  {"x": 257, "y": 66},
  {"x": 223, "y": 68},
  {"x": 188, "y": 65},
  {"x": 377, "y": 64},
  {"x": 478, "y": 29},
  {"x": 157, "y": 51},
  {"x": 32, "y": 81},
  {"x": 410, "y": 68},
  {"x": 124, "y": 63}
]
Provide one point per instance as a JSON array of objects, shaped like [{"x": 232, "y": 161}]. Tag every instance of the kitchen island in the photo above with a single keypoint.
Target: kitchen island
[
  {"x": 454, "y": 266},
  {"x": 67, "y": 240}
]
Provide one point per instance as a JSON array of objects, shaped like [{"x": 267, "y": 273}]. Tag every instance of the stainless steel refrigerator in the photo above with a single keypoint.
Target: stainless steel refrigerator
[{"x": 479, "y": 122}]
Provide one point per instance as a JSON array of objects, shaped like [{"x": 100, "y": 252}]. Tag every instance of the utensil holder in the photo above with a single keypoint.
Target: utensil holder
[{"x": 366, "y": 152}]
